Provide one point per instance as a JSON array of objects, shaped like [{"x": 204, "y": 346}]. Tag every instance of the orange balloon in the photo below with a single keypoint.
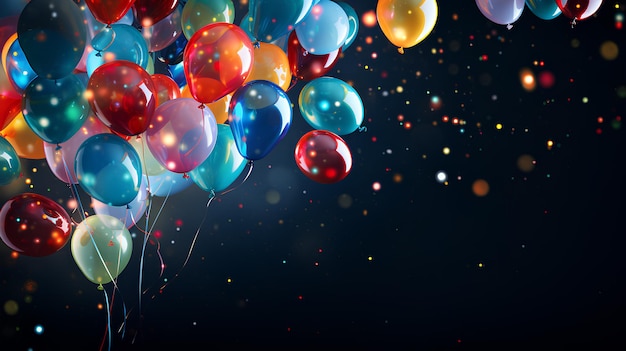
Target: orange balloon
[
  {"x": 406, "y": 22},
  {"x": 271, "y": 63},
  {"x": 219, "y": 107},
  {"x": 25, "y": 142},
  {"x": 166, "y": 88}
]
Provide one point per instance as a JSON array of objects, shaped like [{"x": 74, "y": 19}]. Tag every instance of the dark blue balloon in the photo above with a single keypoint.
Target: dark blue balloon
[
  {"x": 109, "y": 169},
  {"x": 53, "y": 36},
  {"x": 260, "y": 115},
  {"x": 173, "y": 54},
  {"x": 177, "y": 72}
]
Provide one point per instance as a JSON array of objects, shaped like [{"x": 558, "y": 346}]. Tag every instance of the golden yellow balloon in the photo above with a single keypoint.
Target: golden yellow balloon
[
  {"x": 219, "y": 107},
  {"x": 271, "y": 64},
  {"x": 26, "y": 143},
  {"x": 406, "y": 22}
]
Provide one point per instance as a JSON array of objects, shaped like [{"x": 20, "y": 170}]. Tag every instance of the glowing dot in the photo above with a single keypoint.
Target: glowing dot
[
  {"x": 585, "y": 100},
  {"x": 370, "y": 258},
  {"x": 527, "y": 78},
  {"x": 99, "y": 306},
  {"x": 369, "y": 19},
  {"x": 446, "y": 150},
  {"x": 38, "y": 329},
  {"x": 376, "y": 186},
  {"x": 229, "y": 280},
  {"x": 550, "y": 144},
  {"x": 499, "y": 126},
  {"x": 526, "y": 163},
  {"x": 609, "y": 50},
  {"x": 480, "y": 265},
  {"x": 480, "y": 187},
  {"x": 11, "y": 307},
  {"x": 399, "y": 89},
  {"x": 441, "y": 176}
]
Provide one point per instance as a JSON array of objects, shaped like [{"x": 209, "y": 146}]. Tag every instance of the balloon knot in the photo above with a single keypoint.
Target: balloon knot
[
  {"x": 573, "y": 22},
  {"x": 362, "y": 129},
  {"x": 99, "y": 54},
  {"x": 185, "y": 175},
  {"x": 256, "y": 44},
  {"x": 108, "y": 25},
  {"x": 100, "y": 287},
  {"x": 509, "y": 26},
  {"x": 401, "y": 50},
  {"x": 58, "y": 147},
  {"x": 201, "y": 106}
]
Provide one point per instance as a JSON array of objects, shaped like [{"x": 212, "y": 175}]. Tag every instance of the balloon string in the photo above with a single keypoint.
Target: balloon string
[
  {"x": 107, "y": 332},
  {"x": 250, "y": 167},
  {"x": 72, "y": 183}
]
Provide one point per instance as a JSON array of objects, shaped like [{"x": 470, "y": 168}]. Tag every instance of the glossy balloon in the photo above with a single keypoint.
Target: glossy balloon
[
  {"x": 60, "y": 157},
  {"x": 173, "y": 54},
  {"x": 129, "y": 214},
  {"x": 271, "y": 63},
  {"x": 306, "y": 66},
  {"x": 578, "y": 9},
  {"x": 164, "y": 33},
  {"x": 101, "y": 247},
  {"x": 53, "y": 37},
  {"x": 182, "y": 134},
  {"x": 353, "y": 24},
  {"x": 55, "y": 109},
  {"x": 149, "y": 12},
  {"x": 109, "y": 11},
  {"x": 10, "y": 99},
  {"x": 323, "y": 156},
  {"x": 123, "y": 96},
  {"x": 16, "y": 65},
  {"x": 34, "y": 225},
  {"x": 324, "y": 29},
  {"x": 168, "y": 183},
  {"x": 109, "y": 169},
  {"x": 199, "y": 13},
  {"x": 501, "y": 11},
  {"x": 223, "y": 165},
  {"x": 27, "y": 144},
  {"x": 331, "y": 104},
  {"x": 10, "y": 166},
  {"x": 126, "y": 43},
  {"x": 406, "y": 23},
  {"x": 271, "y": 19},
  {"x": 217, "y": 60},
  {"x": 260, "y": 115},
  {"x": 544, "y": 9},
  {"x": 166, "y": 88}
]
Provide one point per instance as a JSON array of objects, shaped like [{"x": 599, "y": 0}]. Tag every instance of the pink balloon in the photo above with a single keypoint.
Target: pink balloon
[
  {"x": 182, "y": 134},
  {"x": 59, "y": 158}
]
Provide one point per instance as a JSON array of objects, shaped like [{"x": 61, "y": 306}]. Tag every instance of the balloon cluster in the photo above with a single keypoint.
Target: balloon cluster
[
  {"x": 506, "y": 12},
  {"x": 78, "y": 88}
]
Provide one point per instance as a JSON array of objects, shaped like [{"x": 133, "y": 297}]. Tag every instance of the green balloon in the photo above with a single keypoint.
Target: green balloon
[
  {"x": 10, "y": 166},
  {"x": 101, "y": 246},
  {"x": 199, "y": 13}
]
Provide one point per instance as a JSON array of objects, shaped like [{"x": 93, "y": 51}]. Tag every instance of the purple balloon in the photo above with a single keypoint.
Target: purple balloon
[{"x": 503, "y": 12}]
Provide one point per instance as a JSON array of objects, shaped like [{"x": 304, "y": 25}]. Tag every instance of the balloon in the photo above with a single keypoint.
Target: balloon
[
  {"x": 219, "y": 107},
  {"x": 164, "y": 33},
  {"x": 406, "y": 23},
  {"x": 60, "y": 158},
  {"x": 108, "y": 169},
  {"x": 331, "y": 104},
  {"x": 123, "y": 96},
  {"x": 16, "y": 66},
  {"x": 53, "y": 37},
  {"x": 55, "y": 109},
  {"x": 150, "y": 12},
  {"x": 10, "y": 100},
  {"x": 306, "y": 66},
  {"x": 271, "y": 63},
  {"x": 34, "y": 225},
  {"x": 150, "y": 164},
  {"x": 101, "y": 247},
  {"x": 173, "y": 54},
  {"x": 217, "y": 60},
  {"x": 26, "y": 143},
  {"x": 323, "y": 156},
  {"x": 324, "y": 29},
  {"x": 166, "y": 88},
  {"x": 167, "y": 183},
  {"x": 119, "y": 42},
  {"x": 182, "y": 135},
  {"x": 271, "y": 19},
  {"x": 260, "y": 115},
  {"x": 129, "y": 214},
  {"x": 223, "y": 165},
  {"x": 353, "y": 24},
  {"x": 578, "y": 9},
  {"x": 109, "y": 11},
  {"x": 199, "y": 13},
  {"x": 544, "y": 9},
  {"x": 501, "y": 11},
  {"x": 10, "y": 166}
]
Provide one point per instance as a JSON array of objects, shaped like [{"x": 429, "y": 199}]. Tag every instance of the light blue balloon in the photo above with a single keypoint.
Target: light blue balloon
[
  {"x": 10, "y": 166},
  {"x": 109, "y": 169},
  {"x": 167, "y": 183},
  {"x": 18, "y": 69},
  {"x": 126, "y": 43},
  {"x": 544, "y": 9},
  {"x": 324, "y": 29},
  {"x": 223, "y": 166},
  {"x": 271, "y": 19},
  {"x": 353, "y": 24},
  {"x": 331, "y": 104}
]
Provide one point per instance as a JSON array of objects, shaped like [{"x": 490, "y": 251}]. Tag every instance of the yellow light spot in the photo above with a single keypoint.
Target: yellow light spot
[
  {"x": 446, "y": 150},
  {"x": 229, "y": 280},
  {"x": 370, "y": 258},
  {"x": 550, "y": 144},
  {"x": 480, "y": 265},
  {"x": 499, "y": 126}
]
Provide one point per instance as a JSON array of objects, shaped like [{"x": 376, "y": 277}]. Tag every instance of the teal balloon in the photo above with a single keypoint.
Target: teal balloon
[
  {"x": 544, "y": 9},
  {"x": 10, "y": 167},
  {"x": 331, "y": 104},
  {"x": 260, "y": 115},
  {"x": 120, "y": 42},
  {"x": 18, "y": 69},
  {"x": 53, "y": 36},
  {"x": 324, "y": 29},
  {"x": 223, "y": 166},
  {"x": 271, "y": 19},
  {"x": 55, "y": 109},
  {"x": 353, "y": 24},
  {"x": 109, "y": 169}
]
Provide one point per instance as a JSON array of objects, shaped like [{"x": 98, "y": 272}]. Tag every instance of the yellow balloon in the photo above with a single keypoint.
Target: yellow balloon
[
  {"x": 26, "y": 143},
  {"x": 271, "y": 64},
  {"x": 219, "y": 107},
  {"x": 406, "y": 22}
]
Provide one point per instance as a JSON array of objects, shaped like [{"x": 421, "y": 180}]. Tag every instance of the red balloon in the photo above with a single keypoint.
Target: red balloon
[
  {"x": 578, "y": 9},
  {"x": 166, "y": 88},
  {"x": 217, "y": 60},
  {"x": 323, "y": 156},
  {"x": 306, "y": 66},
  {"x": 149, "y": 12},
  {"x": 123, "y": 95},
  {"x": 34, "y": 225},
  {"x": 109, "y": 11}
]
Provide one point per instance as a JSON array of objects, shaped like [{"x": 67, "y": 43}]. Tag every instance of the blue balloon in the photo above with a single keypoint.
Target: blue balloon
[
  {"x": 260, "y": 115},
  {"x": 55, "y": 109},
  {"x": 331, "y": 104},
  {"x": 353, "y": 24},
  {"x": 167, "y": 183},
  {"x": 109, "y": 169},
  {"x": 271, "y": 19},
  {"x": 177, "y": 72},
  {"x": 53, "y": 36},
  {"x": 18, "y": 69},
  {"x": 223, "y": 166},
  {"x": 173, "y": 54},
  {"x": 10, "y": 167},
  {"x": 324, "y": 29},
  {"x": 125, "y": 42},
  {"x": 544, "y": 9}
]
